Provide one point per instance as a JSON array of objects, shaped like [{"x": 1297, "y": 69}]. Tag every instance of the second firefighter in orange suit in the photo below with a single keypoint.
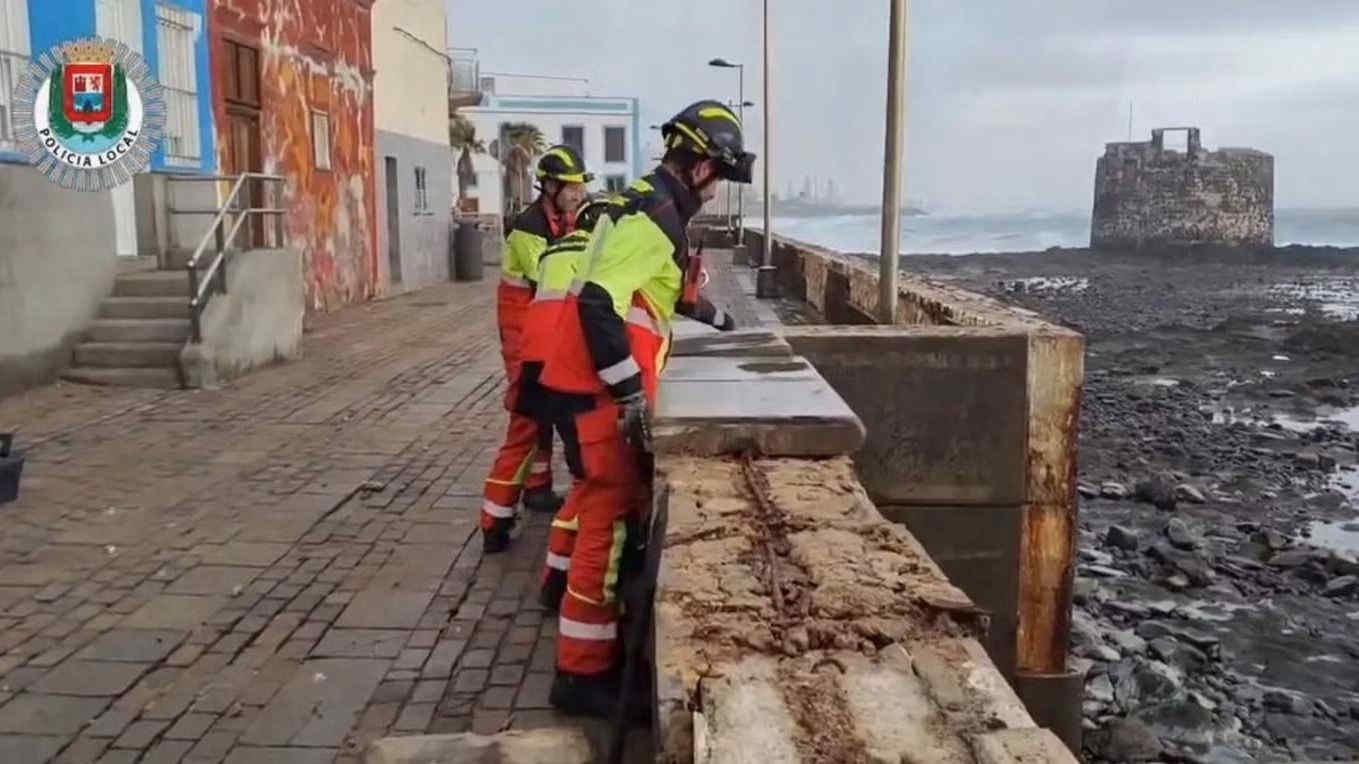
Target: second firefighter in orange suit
[
  {"x": 523, "y": 463},
  {"x": 612, "y": 339}
]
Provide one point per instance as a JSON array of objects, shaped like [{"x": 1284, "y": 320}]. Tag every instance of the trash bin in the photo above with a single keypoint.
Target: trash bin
[
  {"x": 11, "y": 465},
  {"x": 467, "y": 252}
]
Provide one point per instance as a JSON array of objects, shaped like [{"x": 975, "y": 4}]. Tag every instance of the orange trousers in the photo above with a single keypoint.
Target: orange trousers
[
  {"x": 603, "y": 500},
  {"x": 524, "y": 462}
]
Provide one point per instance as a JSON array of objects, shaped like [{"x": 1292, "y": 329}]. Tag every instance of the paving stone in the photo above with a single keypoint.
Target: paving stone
[
  {"x": 507, "y": 675},
  {"x": 470, "y": 680},
  {"x": 257, "y": 755},
  {"x": 212, "y": 748},
  {"x": 319, "y": 705},
  {"x": 120, "y": 757},
  {"x": 392, "y": 692},
  {"x": 29, "y": 748},
  {"x": 361, "y": 643},
  {"x": 379, "y": 716},
  {"x": 414, "y": 717},
  {"x": 140, "y": 734},
  {"x": 168, "y": 752},
  {"x": 170, "y": 611},
  {"x": 93, "y": 678},
  {"x": 134, "y": 645},
  {"x": 523, "y": 635},
  {"x": 510, "y": 654},
  {"x": 31, "y": 714},
  {"x": 376, "y": 609},
  {"x": 190, "y": 726},
  {"x": 533, "y": 693},
  {"x": 249, "y": 554},
  {"x": 477, "y": 658},
  {"x": 112, "y": 722},
  {"x": 411, "y": 659},
  {"x": 498, "y": 697},
  {"x": 212, "y": 579},
  {"x": 85, "y": 750}
]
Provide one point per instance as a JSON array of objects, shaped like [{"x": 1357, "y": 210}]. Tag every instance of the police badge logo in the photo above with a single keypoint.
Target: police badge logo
[{"x": 89, "y": 114}]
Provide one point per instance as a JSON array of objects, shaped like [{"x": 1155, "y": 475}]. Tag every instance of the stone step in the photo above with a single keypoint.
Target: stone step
[
  {"x": 145, "y": 307},
  {"x": 152, "y": 284},
  {"x": 177, "y": 259},
  {"x": 163, "y": 378},
  {"x": 117, "y": 355},
  {"x": 139, "y": 330}
]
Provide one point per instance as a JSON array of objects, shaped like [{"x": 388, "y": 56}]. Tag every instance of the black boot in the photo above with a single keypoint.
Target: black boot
[
  {"x": 497, "y": 539},
  {"x": 585, "y": 695},
  {"x": 554, "y": 588},
  {"x": 542, "y": 500}
]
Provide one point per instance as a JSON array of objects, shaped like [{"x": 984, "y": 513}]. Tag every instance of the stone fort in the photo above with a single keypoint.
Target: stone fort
[{"x": 1148, "y": 195}]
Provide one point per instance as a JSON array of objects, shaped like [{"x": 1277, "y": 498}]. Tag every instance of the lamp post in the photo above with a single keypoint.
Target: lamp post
[
  {"x": 891, "y": 172},
  {"x": 722, "y": 63},
  {"x": 765, "y": 286}
]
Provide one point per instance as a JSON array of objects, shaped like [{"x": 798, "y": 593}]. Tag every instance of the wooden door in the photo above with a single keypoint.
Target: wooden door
[{"x": 245, "y": 149}]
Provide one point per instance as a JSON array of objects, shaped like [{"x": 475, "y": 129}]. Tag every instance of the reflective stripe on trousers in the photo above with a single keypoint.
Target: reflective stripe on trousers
[{"x": 519, "y": 464}]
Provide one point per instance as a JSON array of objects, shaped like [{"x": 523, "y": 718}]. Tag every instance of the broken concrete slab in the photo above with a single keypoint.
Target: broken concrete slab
[
  {"x": 549, "y": 745},
  {"x": 783, "y": 590},
  {"x": 318, "y": 707},
  {"x": 778, "y": 418},
  {"x": 1018, "y": 746}
]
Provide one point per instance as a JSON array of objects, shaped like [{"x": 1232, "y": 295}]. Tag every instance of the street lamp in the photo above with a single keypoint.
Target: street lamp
[{"x": 742, "y": 103}]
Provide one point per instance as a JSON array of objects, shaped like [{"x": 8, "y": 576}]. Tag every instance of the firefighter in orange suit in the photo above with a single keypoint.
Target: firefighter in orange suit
[
  {"x": 557, "y": 268},
  {"x": 524, "y": 461},
  {"x": 611, "y": 342}
]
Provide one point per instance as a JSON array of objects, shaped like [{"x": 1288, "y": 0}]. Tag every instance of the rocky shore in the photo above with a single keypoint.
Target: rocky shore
[{"x": 1217, "y": 612}]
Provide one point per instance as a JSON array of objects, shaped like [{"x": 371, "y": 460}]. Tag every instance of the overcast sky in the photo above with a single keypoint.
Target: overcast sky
[{"x": 1010, "y": 101}]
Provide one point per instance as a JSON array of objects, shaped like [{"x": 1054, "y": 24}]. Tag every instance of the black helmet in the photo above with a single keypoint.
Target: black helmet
[
  {"x": 564, "y": 164},
  {"x": 711, "y": 130},
  {"x": 590, "y": 211}
]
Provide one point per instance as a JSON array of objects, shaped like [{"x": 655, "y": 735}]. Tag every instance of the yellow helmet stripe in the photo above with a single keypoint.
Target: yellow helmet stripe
[
  {"x": 563, "y": 155},
  {"x": 720, "y": 113},
  {"x": 702, "y": 144}
]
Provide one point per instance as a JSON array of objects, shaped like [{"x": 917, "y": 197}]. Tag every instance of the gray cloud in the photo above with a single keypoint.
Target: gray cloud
[{"x": 1010, "y": 101}]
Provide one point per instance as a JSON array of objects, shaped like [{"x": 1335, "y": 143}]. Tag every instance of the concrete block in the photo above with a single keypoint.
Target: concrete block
[
  {"x": 799, "y": 417},
  {"x": 945, "y": 408},
  {"x": 744, "y": 717},
  {"x": 258, "y": 320},
  {"x": 540, "y": 746},
  {"x": 706, "y": 341},
  {"x": 978, "y": 549}
]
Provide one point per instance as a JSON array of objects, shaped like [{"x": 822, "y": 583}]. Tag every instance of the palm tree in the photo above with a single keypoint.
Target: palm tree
[
  {"x": 520, "y": 144},
  {"x": 462, "y": 135}
]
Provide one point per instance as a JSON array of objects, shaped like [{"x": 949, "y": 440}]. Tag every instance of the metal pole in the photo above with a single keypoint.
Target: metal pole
[
  {"x": 740, "y": 187},
  {"x": 764, "y": 278},
  {"x": 891, "y": 174}
]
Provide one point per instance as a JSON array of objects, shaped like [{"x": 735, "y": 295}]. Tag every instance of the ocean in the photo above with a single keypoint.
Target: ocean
[{"x": 966, "y": 234}]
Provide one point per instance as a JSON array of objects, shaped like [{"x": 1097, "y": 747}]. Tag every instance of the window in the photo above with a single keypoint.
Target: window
[
  {"x": 320, "y": 139},
  {"x": 175, "y": 32},
  {"x": 575, "y": 138},
  {"x": 421, "y": 191},
  {"x": 242, "y": 74},
  {"x": 472, "y": 180},
  {"x": 13, "y": 63},
  {"x": 614, "y": 140},
  {"x": 616, "y": 183}
]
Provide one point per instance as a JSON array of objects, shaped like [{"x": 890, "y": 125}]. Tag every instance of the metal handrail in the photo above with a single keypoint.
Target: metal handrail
[{"x": 201, "y": 291}]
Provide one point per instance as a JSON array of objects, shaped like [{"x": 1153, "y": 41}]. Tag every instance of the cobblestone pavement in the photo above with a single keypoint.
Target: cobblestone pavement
[{"x": 281, "y": 570}]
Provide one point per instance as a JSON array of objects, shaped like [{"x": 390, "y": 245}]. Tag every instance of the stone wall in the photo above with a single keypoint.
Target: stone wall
[{"x": 1147, "y": 195}]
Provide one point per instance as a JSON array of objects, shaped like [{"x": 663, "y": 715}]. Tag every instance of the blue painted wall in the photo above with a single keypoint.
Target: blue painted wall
[{"x": 52, "y": 22}]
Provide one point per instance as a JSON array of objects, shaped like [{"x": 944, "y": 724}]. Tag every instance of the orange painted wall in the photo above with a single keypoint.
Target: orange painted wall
[{"x": 314, "y": 55}]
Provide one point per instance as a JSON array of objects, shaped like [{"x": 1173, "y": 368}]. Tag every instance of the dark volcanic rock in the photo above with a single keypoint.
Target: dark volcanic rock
[
  {"x": 1130, "y": 741},
  {"x": 1157, "y": 491},
  {"x": 1183, "y": 722},
  {"x": 1121, "y": 538},
  {"x": 1180, "y": 536},
  {"x": 1343, "y": 586}
]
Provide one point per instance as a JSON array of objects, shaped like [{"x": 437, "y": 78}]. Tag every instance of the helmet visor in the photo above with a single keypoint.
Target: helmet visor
[{"x": 738, "y": 171}]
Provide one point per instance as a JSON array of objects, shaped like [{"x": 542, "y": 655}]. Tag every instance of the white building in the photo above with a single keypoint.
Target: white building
[
  {"x": 606, "y": 132},
  {"x": 414, "y": 161}
]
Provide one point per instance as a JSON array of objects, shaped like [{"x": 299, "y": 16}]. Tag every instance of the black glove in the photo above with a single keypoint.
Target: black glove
[
  {"x": 727, "y": 324},
  {"x": 634, "y": 421}
]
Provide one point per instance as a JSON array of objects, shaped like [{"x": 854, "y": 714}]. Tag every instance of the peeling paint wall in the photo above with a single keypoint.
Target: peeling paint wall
[{"x": 315, "y": 56}]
